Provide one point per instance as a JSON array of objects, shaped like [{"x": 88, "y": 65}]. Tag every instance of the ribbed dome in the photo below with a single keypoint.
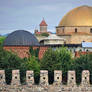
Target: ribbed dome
[
  {"x": 21, "y": 38},
  {"x": 80, "y": 16}
]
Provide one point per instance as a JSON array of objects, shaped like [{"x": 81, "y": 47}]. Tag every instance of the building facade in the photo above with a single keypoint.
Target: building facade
[
  {"x": 74, "y": 28},
  {"x": 76, "y": 25}
]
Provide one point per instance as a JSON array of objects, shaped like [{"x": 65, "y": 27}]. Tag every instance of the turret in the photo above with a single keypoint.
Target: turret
[{"x": 43, "y": 26}]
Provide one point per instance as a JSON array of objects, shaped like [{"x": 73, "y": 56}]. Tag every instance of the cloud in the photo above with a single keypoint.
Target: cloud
[
  {"x": 26, "y": 14},
  {"x": 2, "y": 32}
]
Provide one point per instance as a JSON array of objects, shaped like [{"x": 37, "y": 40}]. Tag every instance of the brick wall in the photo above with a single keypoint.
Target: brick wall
[
  {"x": 42, "y": 51},
  {"x": 23, "y": 51}
]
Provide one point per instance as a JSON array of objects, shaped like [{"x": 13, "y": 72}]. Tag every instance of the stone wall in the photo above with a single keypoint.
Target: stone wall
[
  {"x": 66, "y": 30},
  {"x": 78, "y": 38},
  {"x": 75, "y": 35},
  {"x": 44, "y": 86}
]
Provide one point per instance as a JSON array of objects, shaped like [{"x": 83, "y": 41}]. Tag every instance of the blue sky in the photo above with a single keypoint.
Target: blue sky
[{"x": 27, "y": 14}]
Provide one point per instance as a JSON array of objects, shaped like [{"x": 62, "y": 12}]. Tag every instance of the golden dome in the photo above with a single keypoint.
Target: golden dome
[{"x": 80, "y": 16}]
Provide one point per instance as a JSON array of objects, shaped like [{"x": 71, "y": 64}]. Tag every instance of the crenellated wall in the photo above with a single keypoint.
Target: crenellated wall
[{"x": 44, "y": 85}]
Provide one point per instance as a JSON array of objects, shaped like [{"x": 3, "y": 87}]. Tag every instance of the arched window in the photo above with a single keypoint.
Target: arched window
[
  {"x": 63, "y": 29},
  {"x": 75, "y": 30},
  {"x": 90, "y": 30},
  {"x": 87, "y": 50}
]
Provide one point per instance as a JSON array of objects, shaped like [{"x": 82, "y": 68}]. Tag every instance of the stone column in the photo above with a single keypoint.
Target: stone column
[
  {"x": 44, "y": 77},
  {"x": 2, "y": 77},
  {"x": 57, "y": 77},
  {"x": 71, "y": 78},
  {"x": 29, "y": 78},
  {"x": 85, "y": 78},
  {"x": 15, "y": 77}
]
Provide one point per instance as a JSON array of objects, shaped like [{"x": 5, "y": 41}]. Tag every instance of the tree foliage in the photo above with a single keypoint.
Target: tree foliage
[
  {"x": 59, "y": 59},
  {"x": 8, "y": 62},
  {"x": 33, "y": 64},
  {"x": 45, "y": 34},
  {"x": 34, "y": 52},
  {"x": 84, "y": 62},
  {"x": 2, "y": 40}
]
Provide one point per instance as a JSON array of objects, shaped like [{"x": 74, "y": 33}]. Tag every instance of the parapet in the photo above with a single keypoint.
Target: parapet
[
  {"x": 57, "y": 77},
  {"x": 44, "y": 77},
  {"x": 15, "y": 77},
  {"x": 71, "y": 78},
  {"x": 71, "y": 81},
  {"x": 29, "y": 78},
  {"x": 85, "y": 78},
  {"x": 2, "y": 77}
]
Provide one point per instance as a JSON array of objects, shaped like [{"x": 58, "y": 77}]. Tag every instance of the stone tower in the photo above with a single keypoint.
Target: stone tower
[{"x": 43, "y": 26}]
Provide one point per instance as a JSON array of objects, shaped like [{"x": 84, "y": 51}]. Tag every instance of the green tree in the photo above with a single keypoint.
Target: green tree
[
  {"x": 84, "y": 62},
  {"x": 45, "y": 34},
  {"x": 34, "y": 52},
  {"x": 8, "y": 62},
  {"x": 2, "y": 40},
  {"x": 33, "y": 64},
  {"x": 59, "y": 59}
]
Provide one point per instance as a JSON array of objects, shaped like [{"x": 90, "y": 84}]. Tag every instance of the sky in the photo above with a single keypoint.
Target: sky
[{"x": 27, "y": 14}]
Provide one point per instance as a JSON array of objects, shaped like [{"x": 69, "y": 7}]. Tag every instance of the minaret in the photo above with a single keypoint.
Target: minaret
[{"x": 43, "y": 26}]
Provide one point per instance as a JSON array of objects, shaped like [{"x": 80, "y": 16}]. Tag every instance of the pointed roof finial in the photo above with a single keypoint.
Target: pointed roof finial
[{"x": 43, "y": 23}]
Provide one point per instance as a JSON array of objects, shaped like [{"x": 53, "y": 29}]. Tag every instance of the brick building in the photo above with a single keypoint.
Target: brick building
[
  {"x": 74, "y": 28},
  {"x": 20, "y": 41}
]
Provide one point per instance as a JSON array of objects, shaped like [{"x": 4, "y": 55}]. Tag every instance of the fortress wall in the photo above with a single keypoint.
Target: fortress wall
[{"x": 44, "y": 86}]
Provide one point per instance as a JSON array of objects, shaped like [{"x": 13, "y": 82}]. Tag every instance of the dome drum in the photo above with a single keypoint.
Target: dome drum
[
  {"x": 71, "y": 30},
  {"x": 78, "y": 20}
]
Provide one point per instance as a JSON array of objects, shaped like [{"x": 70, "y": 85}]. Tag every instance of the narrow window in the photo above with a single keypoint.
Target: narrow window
[
  {"x": 28, "y": 77},
  {"x": 85, "y": 78},
  {"x": 91, "y": 30},
  {"x": 1, "y": 76},
  {"x": 63, "y": 29},
  {"x": 75, "y": 30},
  {"x": 87, "y": 50}
]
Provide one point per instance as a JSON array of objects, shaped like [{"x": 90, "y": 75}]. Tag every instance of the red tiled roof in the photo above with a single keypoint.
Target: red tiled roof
[{"x": 43, "y": 23}]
